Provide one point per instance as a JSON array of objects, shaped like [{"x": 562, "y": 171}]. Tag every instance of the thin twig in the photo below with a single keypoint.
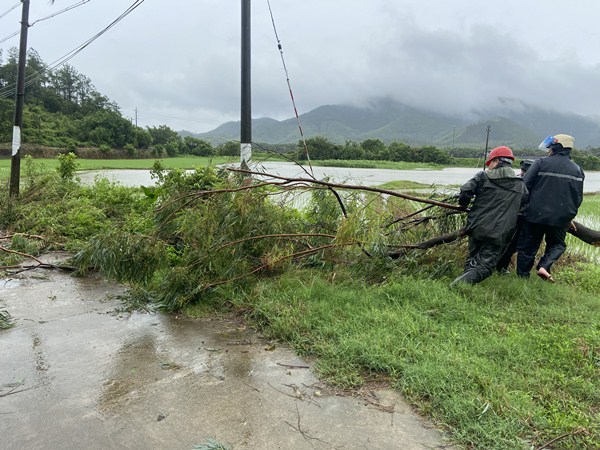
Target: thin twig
[
  {"x": 25, "y": 255},
  {"x": 22, "y": 390},
  {"x": 292, "y": 366},
  {"x": 562, "y": 436},
  {"x": 304, "y": 434},
  {"x": 356, "y": 188}
]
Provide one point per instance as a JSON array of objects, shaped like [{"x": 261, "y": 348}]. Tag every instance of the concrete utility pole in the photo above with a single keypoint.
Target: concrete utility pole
[
  {"x": 15, "y": 164},
  {"x": 487, "y": 139},
  {"x": 246, "y": 103}
]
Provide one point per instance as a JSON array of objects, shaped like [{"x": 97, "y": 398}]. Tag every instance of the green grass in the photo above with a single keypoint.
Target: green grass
[
  {"x": 588, "y": 216},
  {"x": 505, "y": 364},
  {"x": 404, "y": 185},
  {"x": 185, "y": 162}
]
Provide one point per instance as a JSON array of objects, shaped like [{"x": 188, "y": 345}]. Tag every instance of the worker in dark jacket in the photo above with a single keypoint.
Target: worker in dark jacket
[
  {"x": 506, "y": 258},
  {"x": 499, "y": 195},
  {"x": 555, "y": 184}
]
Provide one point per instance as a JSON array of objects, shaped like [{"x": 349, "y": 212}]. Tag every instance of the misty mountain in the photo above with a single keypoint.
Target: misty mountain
[{"x": 515, "y": 124}]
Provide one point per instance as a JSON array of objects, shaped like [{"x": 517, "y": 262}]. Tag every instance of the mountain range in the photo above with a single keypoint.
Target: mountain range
[{"x": 515, "y": 124}]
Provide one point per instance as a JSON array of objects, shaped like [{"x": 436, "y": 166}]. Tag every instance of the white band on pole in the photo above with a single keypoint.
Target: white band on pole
[
  {"x": 245, "y": 153},
  {"x": 16, "y": 141}
]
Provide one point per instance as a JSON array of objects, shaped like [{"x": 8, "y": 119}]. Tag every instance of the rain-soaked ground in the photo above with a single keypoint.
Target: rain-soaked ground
[{"x": 75, "y": 373}]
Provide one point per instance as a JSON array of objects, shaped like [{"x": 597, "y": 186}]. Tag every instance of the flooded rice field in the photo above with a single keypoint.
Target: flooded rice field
[{"x": 438, "y": 179}]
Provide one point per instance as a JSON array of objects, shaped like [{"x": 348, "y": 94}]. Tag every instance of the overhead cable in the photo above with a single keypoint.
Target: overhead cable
[
  {"x": 287, "y": 77},
  {"x": 10, "y": 90},
  {"x": 8, "y": 37},
  {"x": 11, "y": 8},
  {"x": 68, "y": 8},
  {"x": 167, "y": 116}
]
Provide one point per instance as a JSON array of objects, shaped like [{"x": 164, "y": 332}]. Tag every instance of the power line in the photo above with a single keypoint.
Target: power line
[
  {"x": 167, "y": 116},
  {"x": 57, "y": 13},
  {"x": 11, "y": 8},
  {"x": 9, "y": 36},
  {"x": 68, "y": 8},
  {"x": 10, "y": 90},
  {"x": 290, "y": 87}
]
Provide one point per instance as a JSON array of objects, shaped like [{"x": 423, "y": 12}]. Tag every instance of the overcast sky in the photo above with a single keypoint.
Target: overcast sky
[{"x": 178, "y": 61}]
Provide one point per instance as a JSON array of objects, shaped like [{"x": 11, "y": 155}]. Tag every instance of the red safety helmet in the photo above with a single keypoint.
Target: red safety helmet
[{"x": 500, "y": 152}]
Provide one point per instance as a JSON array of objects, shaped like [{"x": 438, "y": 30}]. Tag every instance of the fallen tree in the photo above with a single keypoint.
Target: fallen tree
[
  {"x": 587, "y": 235},
  {"x": 212, "y": 228}
]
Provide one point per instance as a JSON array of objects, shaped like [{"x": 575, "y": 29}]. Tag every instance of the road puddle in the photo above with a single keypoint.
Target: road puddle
[{"x": 77, "y": 373}]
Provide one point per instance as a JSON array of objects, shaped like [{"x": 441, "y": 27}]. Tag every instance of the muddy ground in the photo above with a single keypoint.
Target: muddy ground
[{"x": 75, "y": 373}]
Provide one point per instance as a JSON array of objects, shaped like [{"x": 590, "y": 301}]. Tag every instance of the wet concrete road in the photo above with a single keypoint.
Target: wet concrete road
[{"x": 76, "y": 374}]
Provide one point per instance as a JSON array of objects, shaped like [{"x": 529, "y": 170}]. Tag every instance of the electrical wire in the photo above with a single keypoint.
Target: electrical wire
[
  {"x": 11, "y": 8},
  {"x": 57, "y": 13},
  {"x": 167, "y": 116},
  {"x": 8, "y": 37},
  {"x": 287, "y": 77},
  {"x": 9, "y": 91},
  {"x": 68, "y": 8}
]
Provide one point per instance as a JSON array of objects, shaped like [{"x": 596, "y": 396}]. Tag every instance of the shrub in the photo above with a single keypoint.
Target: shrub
[{"x": 67, "y": 166}]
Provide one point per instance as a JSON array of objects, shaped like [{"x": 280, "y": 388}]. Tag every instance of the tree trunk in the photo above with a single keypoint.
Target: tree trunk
[
  {"x": 586, "y": 234},
  {"x": 433, "y": 242},
  {"x": 581, "y": 232}
]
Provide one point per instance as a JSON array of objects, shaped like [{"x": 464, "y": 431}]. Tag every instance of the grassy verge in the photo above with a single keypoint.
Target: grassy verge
[
  {"x": 185, "y": 162},
  {"x": 505, "y": 364}
]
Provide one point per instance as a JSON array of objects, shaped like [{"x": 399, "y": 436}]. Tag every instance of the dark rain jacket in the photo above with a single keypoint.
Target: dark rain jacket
[
  {"x": 555, "y": 184},
  {"x": 499, "y": 195}
]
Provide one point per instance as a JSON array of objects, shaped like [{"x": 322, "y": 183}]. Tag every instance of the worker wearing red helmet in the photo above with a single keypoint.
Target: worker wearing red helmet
[
  {"x": 556, "y": 186},
  {"x": 498, "y": 195},
  {"x": 506, "y": 258}
]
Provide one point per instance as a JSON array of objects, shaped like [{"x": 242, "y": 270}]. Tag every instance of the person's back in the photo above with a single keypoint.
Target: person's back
[
  {"x": 497, "y": 202},
  {"x": 555, "y": 186},
  {"x": 498, "y": 195}
]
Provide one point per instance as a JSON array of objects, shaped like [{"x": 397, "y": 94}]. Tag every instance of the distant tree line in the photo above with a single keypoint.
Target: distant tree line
[
  {"x": 588, "y": 159},
  {"x": 320, "y": 148}
]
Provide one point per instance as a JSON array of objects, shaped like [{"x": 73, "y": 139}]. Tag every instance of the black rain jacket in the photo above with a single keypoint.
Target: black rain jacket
[
  {"x": 555, "y": 184},
  {"x": 499, "y": 195}
]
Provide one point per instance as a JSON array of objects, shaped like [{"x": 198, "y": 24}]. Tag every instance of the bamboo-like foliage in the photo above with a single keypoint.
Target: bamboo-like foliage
[
  {"x": 213, "y": 228},
  {"x": 5, "y": 320}
]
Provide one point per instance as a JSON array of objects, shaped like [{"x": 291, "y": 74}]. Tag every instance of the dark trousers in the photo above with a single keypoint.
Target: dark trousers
[
  {"x": 506, "y": 257},
  {"x": 530, "y": 240},
  {"x": 483, "y": 257}
]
